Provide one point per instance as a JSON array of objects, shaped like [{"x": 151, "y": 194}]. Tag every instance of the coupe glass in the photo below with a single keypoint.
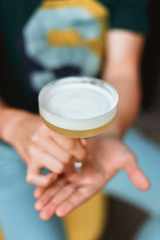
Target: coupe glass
[{"x": 78, "y": 107}]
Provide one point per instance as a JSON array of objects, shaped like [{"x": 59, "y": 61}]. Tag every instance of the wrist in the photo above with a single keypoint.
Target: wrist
[
  {"x": 114, "y": 130},
  {"x": 10, "y": 123}
]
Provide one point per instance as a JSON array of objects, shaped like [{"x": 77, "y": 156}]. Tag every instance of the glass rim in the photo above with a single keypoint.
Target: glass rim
[{"x": 79, "y": 79}]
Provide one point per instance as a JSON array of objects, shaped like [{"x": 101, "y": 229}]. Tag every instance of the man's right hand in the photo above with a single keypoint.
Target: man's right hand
[{"x": 40, "y": 147}]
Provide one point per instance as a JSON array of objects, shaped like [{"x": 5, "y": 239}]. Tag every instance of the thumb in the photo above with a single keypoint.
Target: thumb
[
  {"x": 137, "y": 176},
  {"x": 34, "y": 176}
]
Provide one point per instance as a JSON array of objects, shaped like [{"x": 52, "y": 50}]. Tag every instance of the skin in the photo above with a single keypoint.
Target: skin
[
  {"x": 108, "y": 155},
  {"x": 107, "y": 152},
  {"x": 37, "y": 145}
]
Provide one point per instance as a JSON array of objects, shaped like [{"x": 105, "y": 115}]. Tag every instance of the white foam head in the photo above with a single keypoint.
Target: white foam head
[{"x": 78, "y": 103}]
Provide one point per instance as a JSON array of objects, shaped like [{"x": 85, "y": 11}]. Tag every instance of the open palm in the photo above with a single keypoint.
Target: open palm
[{"x": 107, "y": 155}]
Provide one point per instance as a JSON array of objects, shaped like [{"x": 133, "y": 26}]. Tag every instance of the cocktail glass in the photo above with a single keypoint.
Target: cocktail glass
[{"x": 78, "y": 107}]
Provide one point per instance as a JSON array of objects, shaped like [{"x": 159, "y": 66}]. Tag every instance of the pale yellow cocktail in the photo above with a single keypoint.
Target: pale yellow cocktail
[{"x": 78, "y": 107}]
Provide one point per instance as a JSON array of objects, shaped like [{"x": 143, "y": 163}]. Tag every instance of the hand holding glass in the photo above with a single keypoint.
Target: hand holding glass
[{"x": 78, "y": 107}]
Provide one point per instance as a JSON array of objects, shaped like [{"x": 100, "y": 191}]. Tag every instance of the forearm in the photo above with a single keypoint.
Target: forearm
[
  {"x": 5, "y": 113},
  {"x": 122, "y": 71},
  {"x": 9, "y": 121},
  {"x": 129, "y": 90}
]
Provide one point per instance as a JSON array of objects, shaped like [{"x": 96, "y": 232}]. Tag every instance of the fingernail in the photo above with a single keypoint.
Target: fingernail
[
  {"x": 83, "y": 141},
  {"x": 59, "y": 213},
  {"x": 38, "y": 206},
  {"x": 43, "y": 216},
  {"x": 145, "y": 184}
]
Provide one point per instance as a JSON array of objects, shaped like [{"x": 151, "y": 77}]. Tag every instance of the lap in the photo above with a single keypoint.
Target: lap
[{"x": 18, "y": 217}]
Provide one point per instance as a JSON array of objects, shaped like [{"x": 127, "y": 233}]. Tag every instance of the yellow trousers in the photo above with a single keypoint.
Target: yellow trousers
[
  {"x": 88, "y": 221},
  {"x": 1, "y": 236}
]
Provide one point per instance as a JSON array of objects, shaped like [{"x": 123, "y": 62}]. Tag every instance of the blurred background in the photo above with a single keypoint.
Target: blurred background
[
  {"x": 149, "y": 119},
  {"x": 124, "y": 218}
]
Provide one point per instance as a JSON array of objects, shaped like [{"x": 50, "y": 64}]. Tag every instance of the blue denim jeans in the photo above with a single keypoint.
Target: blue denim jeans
[{"x": 18, "y": 218}]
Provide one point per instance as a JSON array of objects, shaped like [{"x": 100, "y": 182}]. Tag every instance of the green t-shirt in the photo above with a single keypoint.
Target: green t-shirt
[{"x": 47, "y": 40}]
